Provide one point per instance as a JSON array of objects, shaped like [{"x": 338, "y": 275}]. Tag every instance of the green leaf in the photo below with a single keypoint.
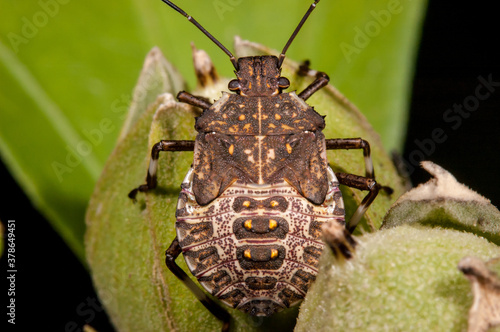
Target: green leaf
[
  {"x": 59, "y": 96},
  {"x": 45, "y": 154},
  {"x": 67, "y": 68}
]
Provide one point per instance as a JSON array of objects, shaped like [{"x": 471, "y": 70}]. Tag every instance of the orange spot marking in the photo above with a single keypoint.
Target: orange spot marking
[
  {"x": 286, "y": 127},
  {"x": 274, "y": 253},
  {"x": 248, "y": 224},
  {"x": 273, "y": 224},
  {"x": 248, "y": 254}
]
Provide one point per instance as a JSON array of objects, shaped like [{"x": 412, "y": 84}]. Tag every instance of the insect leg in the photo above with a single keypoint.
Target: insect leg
[
  {"x": 366, "y": 182},
  {"x": 361, "y": 183},
  {"x": 354, "y": 143},
  {"x": 153, "y": 163},
  {"x": 190, "y": 99},
  {"x": 321, "y": 80},
  {"x": 170, "y": 255},
  {"x": 339, "y": 239}
]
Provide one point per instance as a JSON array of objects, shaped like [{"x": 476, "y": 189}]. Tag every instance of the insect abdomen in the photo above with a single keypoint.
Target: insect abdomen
[{"x": 255, "y": 247}]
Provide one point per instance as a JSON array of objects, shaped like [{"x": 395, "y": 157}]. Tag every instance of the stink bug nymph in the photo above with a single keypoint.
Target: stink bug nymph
[{"x": 253, "y": 204}]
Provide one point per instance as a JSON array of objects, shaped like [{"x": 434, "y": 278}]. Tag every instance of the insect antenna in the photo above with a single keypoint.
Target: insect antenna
[
  {"x": 294, "y": 34},
  {"x": 202, "y": 29}
]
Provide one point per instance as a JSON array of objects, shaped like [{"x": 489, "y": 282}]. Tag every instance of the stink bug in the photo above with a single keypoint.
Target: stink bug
[{"x": 253, "y": 205}]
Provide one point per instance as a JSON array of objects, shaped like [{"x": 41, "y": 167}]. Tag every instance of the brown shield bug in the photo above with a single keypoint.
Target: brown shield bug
[{"x": 252, "y": 207}]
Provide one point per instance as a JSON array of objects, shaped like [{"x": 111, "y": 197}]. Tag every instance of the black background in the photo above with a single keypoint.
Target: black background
[{"x": 459, "y": 44}]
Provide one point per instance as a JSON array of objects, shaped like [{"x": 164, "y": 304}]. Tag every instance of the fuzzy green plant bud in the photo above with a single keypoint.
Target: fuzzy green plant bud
[
  {"x": 444, "y": 202},
  {"x": 401, "y": 279}
]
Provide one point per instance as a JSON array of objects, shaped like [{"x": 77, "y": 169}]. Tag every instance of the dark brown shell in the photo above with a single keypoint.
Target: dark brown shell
[{"x": 260, "y": 140}]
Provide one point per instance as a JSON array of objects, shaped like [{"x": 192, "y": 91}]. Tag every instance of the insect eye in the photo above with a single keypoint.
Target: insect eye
[
  {"x": 234, "y": 85},
  {"x": 283, "y": 82}
]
